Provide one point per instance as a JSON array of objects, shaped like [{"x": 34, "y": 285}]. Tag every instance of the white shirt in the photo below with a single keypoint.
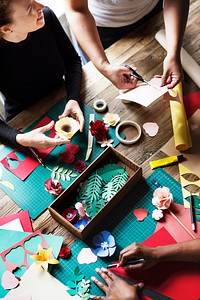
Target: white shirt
[{"x": 117, "y": 13}]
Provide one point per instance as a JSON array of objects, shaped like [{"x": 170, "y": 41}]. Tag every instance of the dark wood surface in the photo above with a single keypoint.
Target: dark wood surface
[{"x": 142, "y": 50}]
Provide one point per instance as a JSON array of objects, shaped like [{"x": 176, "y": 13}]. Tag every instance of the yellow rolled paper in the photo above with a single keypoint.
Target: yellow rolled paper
[{"x": 180, "y": 125}]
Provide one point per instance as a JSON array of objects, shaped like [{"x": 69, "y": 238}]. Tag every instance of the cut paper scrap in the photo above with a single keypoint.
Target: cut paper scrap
[
  {"x": 191, "y": 103},
  {"x": 41, "y": 286},
  {"x": 86, "y": 256},
  {"x": 192, "y": 155},
  {"x": 174, "y": 228},
  {"x": 140, "y": 213},
  {"x": 19, "y": 163},
  {"x": 184, "y": 183},
  {"x": 145, "y": 94},
  {"x": 24, "y": 218},
  {"x": 13, "y": 225},
  {"x": 151, "y": 128},
  {"x": 16, "y": 246},
  {"x": 9, "y": 281},
  {"x": 171, "y": 278},
  {"x": 43, "y": 153},
  {"x": 16, "y": 255},
  {"x": 182, "y": 138}
]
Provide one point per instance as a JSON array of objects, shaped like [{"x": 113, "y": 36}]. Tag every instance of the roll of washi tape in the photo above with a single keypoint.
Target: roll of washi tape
[
  {"x": 131, "y": 123},
  {"x": 100, "y": 105}
]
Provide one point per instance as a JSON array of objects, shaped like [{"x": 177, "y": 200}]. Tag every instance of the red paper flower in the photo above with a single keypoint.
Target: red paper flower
[
  {"x": 53, "y": 187},
  {"x": 99, "y": 130},
  {"x": 70, "y": 214},
  {"x": 65, "y": 252},
  {"x": 79, "y": 166},
  {"x": 68, "y": 156}
]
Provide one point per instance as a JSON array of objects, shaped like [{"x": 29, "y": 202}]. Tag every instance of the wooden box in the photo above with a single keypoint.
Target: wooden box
[{"x": 110, "y": 155}]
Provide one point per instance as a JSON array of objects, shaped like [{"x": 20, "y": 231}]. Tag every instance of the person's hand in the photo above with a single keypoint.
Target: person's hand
[
  {"x": 36, "y": 138},
  {"x": 115, "y": 287},
  {"x": 172, "y": 72},
  {"x": 135, "y": 251},
  {"x": 72, "y": 108},
  {"x": 120, "y": 76}
]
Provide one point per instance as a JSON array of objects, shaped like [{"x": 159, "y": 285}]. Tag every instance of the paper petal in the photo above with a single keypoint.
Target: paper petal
[
  {"x": 151, "y": 128},
  {"x": 9, "y": 281},
  {"x": 86, "y": 256},
  {"x": 140, "y": 213},
  {"x": 112, "y": 251},
  {"x": 111, "y": 241}
]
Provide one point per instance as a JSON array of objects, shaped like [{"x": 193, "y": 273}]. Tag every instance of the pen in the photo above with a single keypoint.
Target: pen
[
  {"x": 36, "y": 156},
  {"x": 129, "y": 263},
  {"x": 192, "y": 214}
]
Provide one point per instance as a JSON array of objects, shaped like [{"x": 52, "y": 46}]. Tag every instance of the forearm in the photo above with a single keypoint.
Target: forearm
[
  {"x": 84, "y": 27},
  {"x": 8, "y": 134},
  {"x": 73, "y": 79},
  {"x": 185, "y": 251},
  {"x": 175, "y": 18}
]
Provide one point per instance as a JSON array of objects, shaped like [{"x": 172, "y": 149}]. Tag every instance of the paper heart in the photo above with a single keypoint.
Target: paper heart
[
  {"x": 73, "y": 149},
  {"x": 140, "y": 213},
  {"x": 9, "y": 281},
  {"x": 151, "y": 128}
]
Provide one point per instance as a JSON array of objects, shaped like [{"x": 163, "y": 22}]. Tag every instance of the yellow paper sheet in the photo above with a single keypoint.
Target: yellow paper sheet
[
  {"x": 184, "y": 182},
  {"x": 181, "y": 130},
  {"x": 41, "y": 285}
]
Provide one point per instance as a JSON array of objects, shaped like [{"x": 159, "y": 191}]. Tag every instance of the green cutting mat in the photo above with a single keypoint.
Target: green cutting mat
[
  {"x": 30, "y": 194},
  {"x": 123, "y": 226}
]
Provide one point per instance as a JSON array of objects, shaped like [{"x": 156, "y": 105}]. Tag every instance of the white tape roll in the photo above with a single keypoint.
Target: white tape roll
[
  {"x": 100, "y": 105},
  {"x": 131, "y": 123}
]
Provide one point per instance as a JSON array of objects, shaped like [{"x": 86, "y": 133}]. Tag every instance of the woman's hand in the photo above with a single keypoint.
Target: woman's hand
[
  {"x": 115, "y": 287},
  {"x": 135, "y": 251},
  {"x": 72, "y": 108},
  {"x": 36, "y": 138}
]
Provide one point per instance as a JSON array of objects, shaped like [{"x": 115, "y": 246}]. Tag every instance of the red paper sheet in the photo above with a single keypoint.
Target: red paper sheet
[
  {"x": 177, "y": 280},
  {"x": 191, "y": 103},
  {"x": 24, "y": 219},
  {"x": 24, "y": 168}
]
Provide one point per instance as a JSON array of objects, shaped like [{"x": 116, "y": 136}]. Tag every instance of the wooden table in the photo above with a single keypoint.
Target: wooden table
[{"x": 139, "y": 49}]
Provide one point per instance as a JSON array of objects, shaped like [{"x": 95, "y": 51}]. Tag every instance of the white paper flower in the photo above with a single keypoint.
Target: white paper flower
[
  {"x": 105, "y": 143},
  {"x": 111, "y": 119},
  {"x": 66, "y": 127},
  {"x": 157, "y": 214}
]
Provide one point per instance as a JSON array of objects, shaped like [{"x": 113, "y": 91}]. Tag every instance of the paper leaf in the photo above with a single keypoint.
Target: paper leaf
[
  {"x": 94, "y": 208},
  {"x": 8, "y": 184},
  {"x": 92, "y": 190},
  {"x": 108, "y": 191},
  {"x": 78, "y": 285},
  {"x": 61, "y": 173}
]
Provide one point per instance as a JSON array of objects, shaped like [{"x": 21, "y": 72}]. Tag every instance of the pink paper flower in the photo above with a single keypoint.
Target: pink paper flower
[
  {"x": 53, "y": 187},
  {"x": 79, "y": 166},
  {"x": 99, "y": 130},
  {"x": 162, "y": 198}
]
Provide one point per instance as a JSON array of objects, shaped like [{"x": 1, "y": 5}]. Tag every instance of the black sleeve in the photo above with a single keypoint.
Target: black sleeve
[
  {"x": 72, "y": 62},
  {"x": 8, "y": 134}
]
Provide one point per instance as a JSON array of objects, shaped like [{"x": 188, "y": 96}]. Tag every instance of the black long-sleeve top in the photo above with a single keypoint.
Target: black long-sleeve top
[{"x": 31, "y": 69}]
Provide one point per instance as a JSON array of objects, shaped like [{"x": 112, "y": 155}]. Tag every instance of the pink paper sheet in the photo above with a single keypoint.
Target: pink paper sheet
[{"x": 24, "y": 219}]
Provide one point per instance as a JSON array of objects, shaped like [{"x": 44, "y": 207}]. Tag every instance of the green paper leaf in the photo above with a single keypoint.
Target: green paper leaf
[
  {"x": 71, "y": 284},
  {"x": 93, "y": 186},
  {"x": 108, "y": 191},
  {"x": 72, "y": 292},
  {"x": 76, "y": 270}
]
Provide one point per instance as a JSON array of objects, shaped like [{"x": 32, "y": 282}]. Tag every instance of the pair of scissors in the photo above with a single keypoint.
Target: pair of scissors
[
  {"x": 139, "y": 77},
  {"x": 136, "y": 75}
]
